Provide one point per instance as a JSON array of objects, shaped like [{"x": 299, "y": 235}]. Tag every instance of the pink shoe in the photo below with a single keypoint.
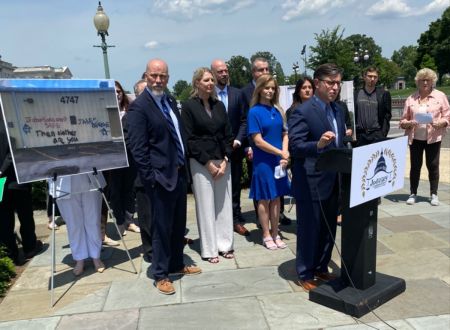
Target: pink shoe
[
  {"x": 279, "y": 243},
  {"x": 269, "y": 243}
]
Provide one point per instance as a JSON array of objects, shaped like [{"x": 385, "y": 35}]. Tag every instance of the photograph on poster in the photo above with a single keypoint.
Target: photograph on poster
[{"x": 61, "y": 127}]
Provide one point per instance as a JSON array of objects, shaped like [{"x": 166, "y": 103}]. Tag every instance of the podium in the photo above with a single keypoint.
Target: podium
[{"x": 360, "y": 288}]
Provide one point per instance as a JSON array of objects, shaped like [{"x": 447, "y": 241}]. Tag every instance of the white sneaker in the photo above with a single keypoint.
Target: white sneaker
[
  {"x": 411, "y": 200},
  {"x": 434, "y": 200}
]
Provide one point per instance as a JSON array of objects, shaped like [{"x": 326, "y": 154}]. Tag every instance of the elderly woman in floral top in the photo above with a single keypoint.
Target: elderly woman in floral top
[{"x": 425, "y": 118}]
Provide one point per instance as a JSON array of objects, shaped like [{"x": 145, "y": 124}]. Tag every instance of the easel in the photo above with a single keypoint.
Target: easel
[{"x": 98, "y": 187}]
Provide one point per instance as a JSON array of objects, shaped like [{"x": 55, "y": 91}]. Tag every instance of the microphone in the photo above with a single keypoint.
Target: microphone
[{"x": 347, "y": 140}]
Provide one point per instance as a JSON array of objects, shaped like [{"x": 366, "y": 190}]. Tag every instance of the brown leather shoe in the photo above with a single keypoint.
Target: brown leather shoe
[
  {"x": 165, "y": 286},
  {"x": 325, "y": 276},
  {"x": 307, "y": 285},
  {"x": 241, "y": 230},
  {"x": 188, "y": 270}
]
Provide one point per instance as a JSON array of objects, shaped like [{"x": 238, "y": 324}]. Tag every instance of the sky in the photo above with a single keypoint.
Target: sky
[{"x": 189, "y": 34}]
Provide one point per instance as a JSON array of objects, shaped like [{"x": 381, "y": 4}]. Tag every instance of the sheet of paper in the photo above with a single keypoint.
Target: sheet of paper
[
  {"x": 423, "y": 117},
  {"x": 279, "y": 172}
]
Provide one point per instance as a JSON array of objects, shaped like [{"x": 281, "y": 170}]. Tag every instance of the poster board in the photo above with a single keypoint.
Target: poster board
[
  {"x": 347, "y": 97},
  {"x": 377, "y": 170},
  {"x": 62, "y": 127}
]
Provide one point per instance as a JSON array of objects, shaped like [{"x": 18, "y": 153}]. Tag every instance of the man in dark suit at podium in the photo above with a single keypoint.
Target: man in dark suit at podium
[
  {"x": 231, "y": 98},
  {"x": 314, "y": 127},
  {"x": 156, "y": 139}
]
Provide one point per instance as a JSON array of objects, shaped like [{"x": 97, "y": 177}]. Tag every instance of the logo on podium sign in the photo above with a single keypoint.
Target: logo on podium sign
[{"x": 377, "y": 170}]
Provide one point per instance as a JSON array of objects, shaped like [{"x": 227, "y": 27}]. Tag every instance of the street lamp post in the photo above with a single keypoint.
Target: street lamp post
[
  {"x": 295, "y": 67},
  {"x": 360, "y": 57},
  {"x": 101, "y": 22},
  {"x": 303, "y": 53}
]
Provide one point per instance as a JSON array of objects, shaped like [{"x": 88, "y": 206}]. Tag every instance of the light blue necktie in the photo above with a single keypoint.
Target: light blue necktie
[{"x": 223, "y": 97}]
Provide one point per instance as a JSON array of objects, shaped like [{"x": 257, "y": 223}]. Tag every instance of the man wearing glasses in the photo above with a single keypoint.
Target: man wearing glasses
[
  {"x": 314, "y": 127},
  {"x": 372, "y": 110}
]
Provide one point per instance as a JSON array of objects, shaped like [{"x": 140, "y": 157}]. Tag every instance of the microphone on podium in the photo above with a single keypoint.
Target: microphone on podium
[{"x": 347, "y": 140}]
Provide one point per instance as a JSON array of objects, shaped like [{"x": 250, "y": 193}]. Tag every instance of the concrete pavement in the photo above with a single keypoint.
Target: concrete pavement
[{"x": 254, "y": 290}]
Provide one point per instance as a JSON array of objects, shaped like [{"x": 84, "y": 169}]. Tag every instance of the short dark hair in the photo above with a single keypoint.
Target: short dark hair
[
  {"x": 371, "y": 69},
  {"x": 327, "y": 69}
]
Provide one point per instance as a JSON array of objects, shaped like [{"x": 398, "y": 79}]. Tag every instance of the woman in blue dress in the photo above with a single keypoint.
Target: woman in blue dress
[{"x": 267, "y": 131}]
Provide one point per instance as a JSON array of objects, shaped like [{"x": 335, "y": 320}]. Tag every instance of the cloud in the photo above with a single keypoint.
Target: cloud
[
  {"x": 436, "y": 6},
  {"x": 188, "y": 9},
  {"x": 302, "y": 8},
  {"x": 152, "y": 44},
  {"x": 400, "y": 8}
]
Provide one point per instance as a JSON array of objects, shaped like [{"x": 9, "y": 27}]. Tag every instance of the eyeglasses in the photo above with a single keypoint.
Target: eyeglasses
[
  {"x": 155, "y": 76},
  {"x": 331, "y": 83}
]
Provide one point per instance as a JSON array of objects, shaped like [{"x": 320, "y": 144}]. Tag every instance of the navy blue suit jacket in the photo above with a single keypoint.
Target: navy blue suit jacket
[
  {"x": 246, "y": 98},
  {"x": 306, "y": 125},
  {"x": 153, "y": 148},
  {"x": 236, "y": 115}
]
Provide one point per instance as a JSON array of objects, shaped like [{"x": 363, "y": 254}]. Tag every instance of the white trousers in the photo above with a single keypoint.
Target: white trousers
[
  {"x": 214, "y": 210},
  {"x": 81, "y": 212}
]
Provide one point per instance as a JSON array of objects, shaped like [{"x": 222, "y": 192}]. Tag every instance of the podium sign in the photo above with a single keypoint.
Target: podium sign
[{"x": 377, "y": 170}]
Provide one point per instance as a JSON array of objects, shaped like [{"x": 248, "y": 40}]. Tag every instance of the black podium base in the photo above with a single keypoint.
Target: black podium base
[{"x": 338, "y": 296}]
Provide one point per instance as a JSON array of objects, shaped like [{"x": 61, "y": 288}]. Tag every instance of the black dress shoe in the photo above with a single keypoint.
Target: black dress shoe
[
  {"x": 37, "y": 249},
  {"x": 284, "y": 220}
]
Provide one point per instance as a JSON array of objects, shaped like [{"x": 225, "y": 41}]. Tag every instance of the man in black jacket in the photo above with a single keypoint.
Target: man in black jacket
[
  {"x": 231, "y": 98},
  {"x": 372, "y": 110}
]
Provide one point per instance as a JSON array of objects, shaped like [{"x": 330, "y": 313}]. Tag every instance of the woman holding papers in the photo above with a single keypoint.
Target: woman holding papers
[
  {"x": 425, "y": 118},
  {"x": 267, "y": 131}
]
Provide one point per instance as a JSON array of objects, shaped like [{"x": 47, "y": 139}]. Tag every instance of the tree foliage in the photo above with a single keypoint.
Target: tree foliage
[
  {"x": 405, "y": 58},
  {"x": 331, "y": 47},
  {"x": 239, "y": 76},
  {"x": 389, "y": 71},
  {"x": 179, "y": 87},
  {"x": 435, "y": 44},
  {"x": 182, "y": 90}
]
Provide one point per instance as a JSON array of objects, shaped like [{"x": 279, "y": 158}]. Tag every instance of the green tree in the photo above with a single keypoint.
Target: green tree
[
  {"x": 361, "y": 43},
  {"x": 331, "y": 47},
  {"x": 179, "y": 87},
  {"x": 239, "y": 69},
  {"x": 274, "y": 66},
  {"x": 405, "y": 58},
  {"x": 428, "y": 62},
  {"x": 185, "y": 94},
  {"x": 435, "y": 42},
  {"x": 389, "y": 71}
]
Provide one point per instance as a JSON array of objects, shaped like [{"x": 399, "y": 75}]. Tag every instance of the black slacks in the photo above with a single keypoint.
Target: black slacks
[
  {"x": 168, "y": 213},
  {"x": 145, "y": 221},
  {"x": 432, "y": 154},
  {"x": 236, "y": 172},
  {"x": 20, "y": 201}
]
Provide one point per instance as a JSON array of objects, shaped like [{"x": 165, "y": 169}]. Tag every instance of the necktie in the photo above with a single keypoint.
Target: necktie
[
  {"x": 224, "y": 99},
  {"x": 173, "y": 132},
  {"x": 332, "y": 120},
  {"x": 330, "y": 117}
]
